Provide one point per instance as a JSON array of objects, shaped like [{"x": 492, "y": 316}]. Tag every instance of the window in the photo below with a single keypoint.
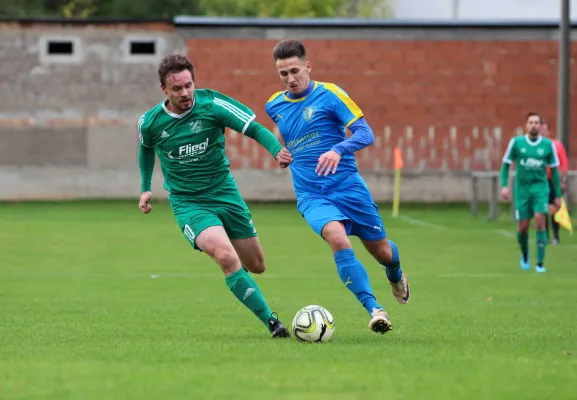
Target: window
[
  {"x": 59, "y": 49},
  {"x": 143, "y": 49},
  {"x": 139, "y": 47}
]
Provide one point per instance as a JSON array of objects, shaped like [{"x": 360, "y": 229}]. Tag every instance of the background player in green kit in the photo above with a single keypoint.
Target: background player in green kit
[
  {"x": 186, "y": 131},
  {"x": 532, "y": 154}
]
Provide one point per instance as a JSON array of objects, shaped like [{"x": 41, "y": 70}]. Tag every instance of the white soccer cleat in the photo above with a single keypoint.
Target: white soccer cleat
[
  {"x": 401, "y": 290},
  {"x": 379, "y": 322}
]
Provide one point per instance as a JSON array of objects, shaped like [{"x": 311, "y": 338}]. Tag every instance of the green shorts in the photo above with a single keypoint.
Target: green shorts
[
  {"x": 222, "y": 207},
  {"x": 530, "y": 200}
]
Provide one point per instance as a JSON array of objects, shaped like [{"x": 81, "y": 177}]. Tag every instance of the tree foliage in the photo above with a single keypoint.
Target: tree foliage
[{"x": 165, "y": 9}]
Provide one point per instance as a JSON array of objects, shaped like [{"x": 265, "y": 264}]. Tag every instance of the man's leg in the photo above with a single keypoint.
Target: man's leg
[
  {"x": 523, "y": 214},
  {"x": 386, "y": 253},
  {"x": 541, "y": 236},
  {"x": 237, "y": 222},
  {"x": 554, "y": 224},
  {"x": 251, "y": 254},
  {"x": 354, "y": 275},
  {"x": 357, "y": 204},
  {"x": 551, "y": 211},
  {"x": 523, "y": 240},
  {"x": 540, "y": 206},
  {"x": 328, "y": 222},
  {"x": 204, "y": 231}
]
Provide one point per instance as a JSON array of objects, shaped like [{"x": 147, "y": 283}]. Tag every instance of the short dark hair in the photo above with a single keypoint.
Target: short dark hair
[
  {"x": 172, "y": 64},
  {"x": 289, "y": 48},
  {"x": 533, "y": 114}
]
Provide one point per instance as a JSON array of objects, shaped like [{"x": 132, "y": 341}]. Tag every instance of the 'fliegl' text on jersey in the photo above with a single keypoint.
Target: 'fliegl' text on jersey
[
  {"x": 531, "y": 163},
  {"x": 190, "y": 152}
]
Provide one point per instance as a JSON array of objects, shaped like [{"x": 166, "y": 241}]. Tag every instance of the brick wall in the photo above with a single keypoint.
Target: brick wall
[
  {"x": 450, "y": 104},
  {"x": 451, "y": 98}
]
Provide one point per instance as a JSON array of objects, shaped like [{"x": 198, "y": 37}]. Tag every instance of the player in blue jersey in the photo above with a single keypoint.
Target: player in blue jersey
[{"x": 331, "y": 195}]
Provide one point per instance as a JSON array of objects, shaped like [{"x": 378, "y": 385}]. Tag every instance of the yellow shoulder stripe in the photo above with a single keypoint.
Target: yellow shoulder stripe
[
  {"x": 342, "y": 96},
  {"x": 274, "y": 96}
]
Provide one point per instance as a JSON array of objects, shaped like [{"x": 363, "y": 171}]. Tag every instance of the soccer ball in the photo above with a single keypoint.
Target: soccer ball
[{"x": 313, "y": 324}]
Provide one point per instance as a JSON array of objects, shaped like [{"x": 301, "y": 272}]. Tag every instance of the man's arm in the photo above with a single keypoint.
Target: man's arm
[
  {"x": 264, "y": 137},
  {"x": 507, "y": 161},
  {"x": 563, "y": 163},
  {"x": 146, "y": 165},
  {"x": 562, "y": 154},
  {"x": 505, "y": 174},
  {"x": 235, "y": 115},
  {"x": 362, "y": 136},
  {"x": 145, "y": 156},
  {"x": 556, "y": 181}
]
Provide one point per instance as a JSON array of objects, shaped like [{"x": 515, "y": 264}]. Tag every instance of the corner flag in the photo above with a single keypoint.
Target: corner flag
[
  {"x": 562, "y": 217},
  {"x": 398, "y": 166}
]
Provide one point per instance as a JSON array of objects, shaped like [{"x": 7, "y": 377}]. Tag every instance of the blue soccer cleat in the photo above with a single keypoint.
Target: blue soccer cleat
[
  {"x": 540, "y": 268},
  {"x": 525, "y": 266}
]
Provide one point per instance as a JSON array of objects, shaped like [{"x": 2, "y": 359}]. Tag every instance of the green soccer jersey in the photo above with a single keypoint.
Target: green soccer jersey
[
  {"x": 191, "y": 146},
  {"x": 531, "y": 159}
]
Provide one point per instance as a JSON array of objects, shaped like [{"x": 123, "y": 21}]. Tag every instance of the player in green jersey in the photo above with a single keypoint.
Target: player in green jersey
[
  {"x": 186, "y": 131},
  {"x": 532, "y": 154}
]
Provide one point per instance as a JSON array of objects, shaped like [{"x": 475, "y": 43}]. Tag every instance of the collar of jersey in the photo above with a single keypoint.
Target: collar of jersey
[
  {"x": 312, "y": 86},
  {"x": 173, "y": 115},
  {"x": 533, "y": 143}
]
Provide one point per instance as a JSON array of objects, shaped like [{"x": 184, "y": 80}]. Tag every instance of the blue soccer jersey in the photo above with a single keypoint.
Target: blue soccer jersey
[{"x": 310, "y": 126}]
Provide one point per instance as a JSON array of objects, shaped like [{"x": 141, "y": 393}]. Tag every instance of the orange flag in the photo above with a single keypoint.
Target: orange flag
[{"x": 397, "y": 158}]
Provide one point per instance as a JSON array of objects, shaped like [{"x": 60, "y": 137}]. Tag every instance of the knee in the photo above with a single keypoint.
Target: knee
[
  {"x": 540, "y": 221},
  {"x": 523, "y": 226},
  {"x": 226, "y": 259},
  {"x": 336, "y": 236},
  {"x": 256, "y": 265}
]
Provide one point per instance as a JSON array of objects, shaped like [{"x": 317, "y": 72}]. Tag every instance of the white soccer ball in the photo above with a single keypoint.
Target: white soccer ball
[{"x": 313, "y": 324}]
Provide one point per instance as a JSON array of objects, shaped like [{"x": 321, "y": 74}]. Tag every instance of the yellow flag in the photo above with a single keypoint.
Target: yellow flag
[{"x": 562, "y": 217}]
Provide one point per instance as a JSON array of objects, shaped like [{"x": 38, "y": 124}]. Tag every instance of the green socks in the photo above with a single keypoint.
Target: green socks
[
  {"x": 247, "y": 291},
  {"x": 541, "y": 243},
  {"x": 523, "y": 239}
]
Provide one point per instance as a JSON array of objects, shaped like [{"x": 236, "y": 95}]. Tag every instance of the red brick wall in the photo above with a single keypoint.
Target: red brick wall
[{"x": 423, "y": 84}]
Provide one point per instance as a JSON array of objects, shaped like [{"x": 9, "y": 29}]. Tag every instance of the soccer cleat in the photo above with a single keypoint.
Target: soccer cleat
[
  {"x": 525, "y": 266},
  {"x": 401, "y": 290},
  {"x": 540, "y": 268},
  {"x": 276, "y": 327},
  {"x": 379, "y": 322}
]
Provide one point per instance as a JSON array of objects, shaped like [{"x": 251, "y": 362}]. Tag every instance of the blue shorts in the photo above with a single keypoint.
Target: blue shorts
[{"x": 353, "y": 205}]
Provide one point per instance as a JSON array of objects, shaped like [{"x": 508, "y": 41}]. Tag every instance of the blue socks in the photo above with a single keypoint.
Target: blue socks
[
  {"x": 355, "y": 278},
  {"x": 393, "y": 269}
]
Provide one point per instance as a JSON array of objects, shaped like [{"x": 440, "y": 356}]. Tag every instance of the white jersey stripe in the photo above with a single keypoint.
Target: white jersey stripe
[
  {"x": 245, "y": 127},
  {"x": 507, "y": 157},
  {"x": 556, "y": 161},
  {"x": 240, "y": 114}
]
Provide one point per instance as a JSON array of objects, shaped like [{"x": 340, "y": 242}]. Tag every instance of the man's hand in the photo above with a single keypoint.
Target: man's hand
[
  {"x": 557, "y": 204},
  {"x": 284, "y": 158},
  {"x": 506, "y": 193},
  {"x": 328, "y": 162},
  {"x": 144, "y": 203}
]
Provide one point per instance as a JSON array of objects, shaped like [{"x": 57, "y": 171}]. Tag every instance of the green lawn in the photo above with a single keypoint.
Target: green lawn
[{"x": 98, "y": 301}]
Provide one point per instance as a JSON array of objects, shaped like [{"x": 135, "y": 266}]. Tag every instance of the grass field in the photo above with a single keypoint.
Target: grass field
[{"x": 98, "y": 301}]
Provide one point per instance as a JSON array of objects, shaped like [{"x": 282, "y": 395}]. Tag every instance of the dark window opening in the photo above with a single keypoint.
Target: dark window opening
[
  {"x": 60, "y": 47},
  {"x": 141, "y": 47}
]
